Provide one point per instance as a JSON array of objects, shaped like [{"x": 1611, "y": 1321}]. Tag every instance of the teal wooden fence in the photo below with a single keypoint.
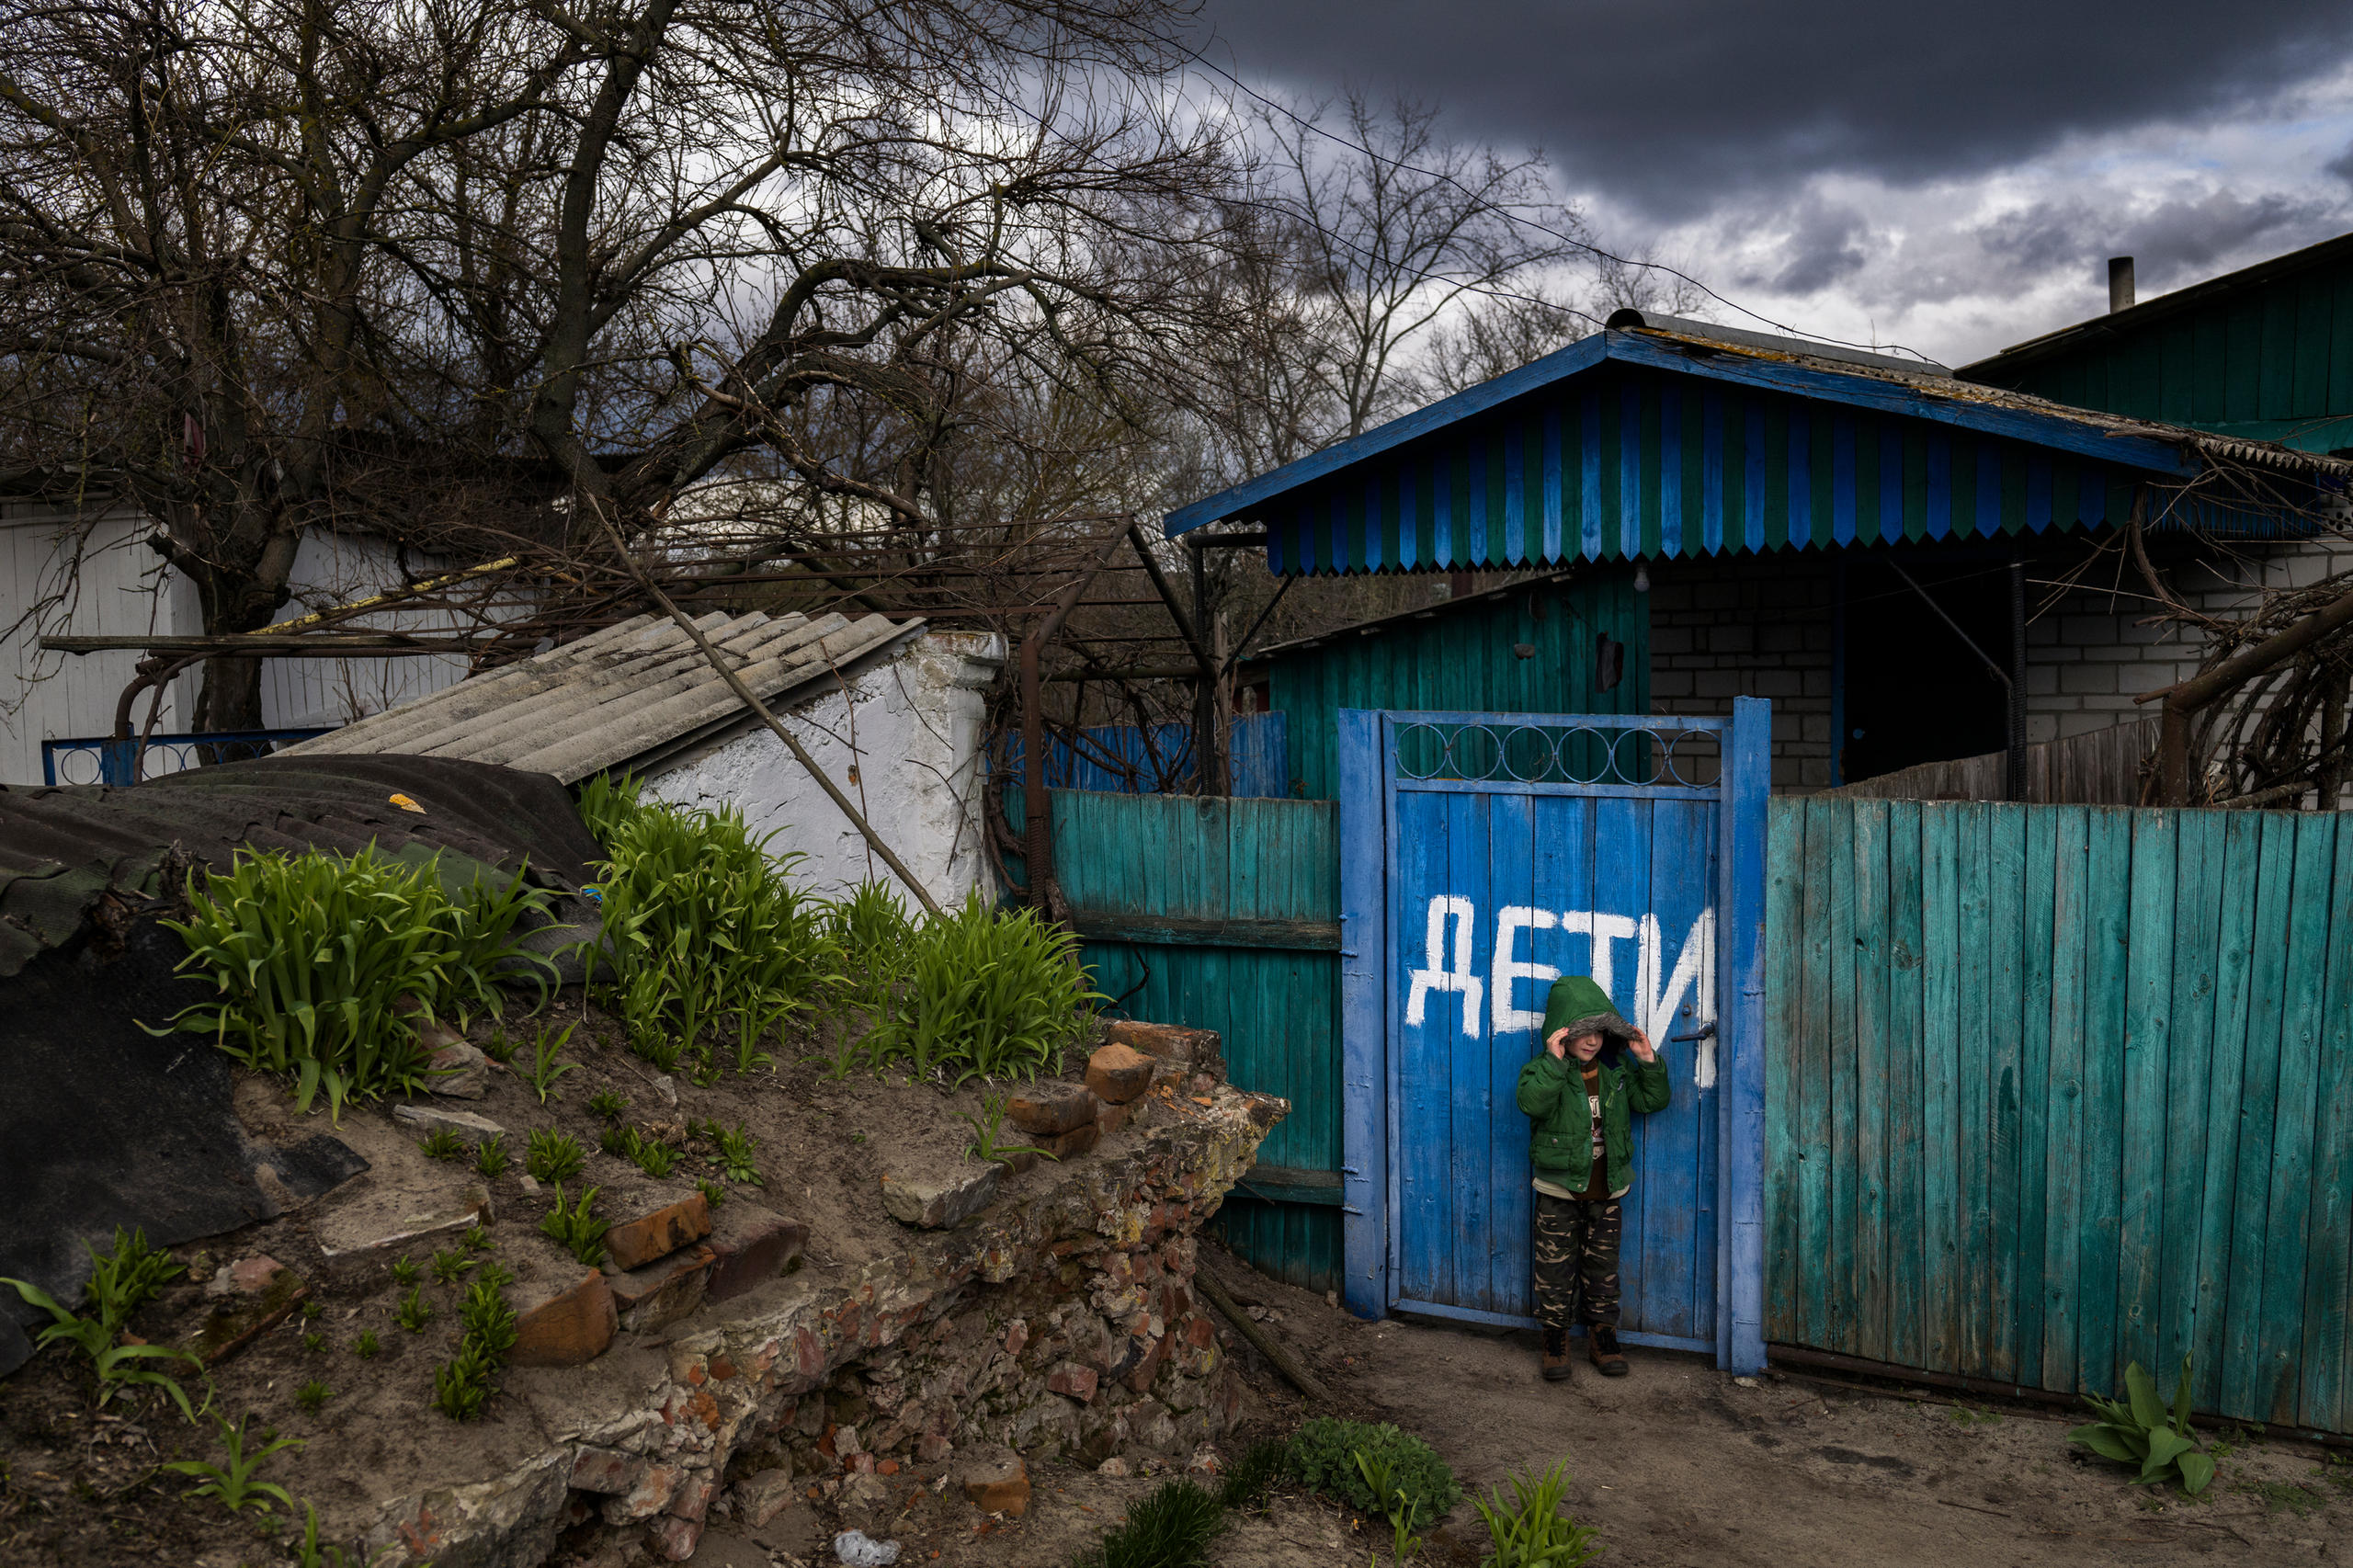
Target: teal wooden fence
[
  {"x": 2055, "y": 1088},
  {"x": 1225, "y": 914}
]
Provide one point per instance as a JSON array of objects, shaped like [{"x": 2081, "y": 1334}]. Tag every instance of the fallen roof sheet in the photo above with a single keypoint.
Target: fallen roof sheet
[{"x": 625, "y": 695}]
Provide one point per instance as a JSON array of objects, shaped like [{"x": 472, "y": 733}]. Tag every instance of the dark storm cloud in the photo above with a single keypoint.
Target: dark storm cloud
[
  {"x": 2342, "y": 166},
  {"x": 1824, "y": 243},
  {"x": 1672, "y": 106},
  {"x": 2173, "y": 244}
]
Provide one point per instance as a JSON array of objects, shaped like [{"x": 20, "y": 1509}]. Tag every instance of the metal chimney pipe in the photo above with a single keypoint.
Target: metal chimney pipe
[{"x": 2119, "y": 283}]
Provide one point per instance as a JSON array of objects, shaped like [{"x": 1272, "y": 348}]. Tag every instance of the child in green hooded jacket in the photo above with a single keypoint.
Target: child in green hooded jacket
[{"x": 1579, "y": 1093}]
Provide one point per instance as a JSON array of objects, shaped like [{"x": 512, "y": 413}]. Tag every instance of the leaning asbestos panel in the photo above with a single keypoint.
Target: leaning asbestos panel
[
  {"x": 589, "y": 708},
  {"x": 579, "y": 756}
]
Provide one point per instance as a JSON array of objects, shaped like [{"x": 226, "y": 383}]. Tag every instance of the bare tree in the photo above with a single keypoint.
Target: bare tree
[{"x": 505, "y": 271}]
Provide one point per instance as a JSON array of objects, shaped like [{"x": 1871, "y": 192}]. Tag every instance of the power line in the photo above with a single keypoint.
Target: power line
[{"x": 1509, "y": 216}]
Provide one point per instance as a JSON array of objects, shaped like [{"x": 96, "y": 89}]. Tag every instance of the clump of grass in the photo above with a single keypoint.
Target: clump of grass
[
  {"x": 1262, "y": 1464},
  {"x": 618, "y": 1141},
  {"x": 555, "y": 1157},
  {"x": 404, "y": 1270},
  {"x": 713, "y": 1193},
  {"x": 983, "y": 995},
  {"x": 577, "y": 1230},
  {"x": 476, "y": 1239},
  {"x": 449, "y": 1266},
  {"x": 1323, "y": 1456},
  {"x": 442, "y": 1144},
  {"x": 232, "y": 1484},
  {"x": 345, "y": 1021},
  {"x": 415, "y": 1310},
  {"x": 128, "y": 1277},
  {"x": 489, "y": 1156},
  {"x": 654, "y": 1157},
  {"x": 313, "y": 1395},
  {"x": 367, "y": 1346},
  {"x": 1173, "y": 1527},
  {"x": 314, "y": 1343},
  {"x": 734, "y": 1154},
  {"x": 310, "y": 1309},
  {"x": 462, "y": 1386},
  {"x": 1529, "y": 1532},
  {"x": 608, "y": 1105},
  {"x": 710, "y": 935},
  {"x": 500, "y": 1047}
]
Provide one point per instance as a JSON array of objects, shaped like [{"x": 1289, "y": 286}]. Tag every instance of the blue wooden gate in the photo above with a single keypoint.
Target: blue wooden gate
[{"x": 1480, "y": 856}]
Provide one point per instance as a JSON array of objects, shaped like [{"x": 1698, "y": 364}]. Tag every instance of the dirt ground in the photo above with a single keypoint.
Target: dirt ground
[{"x": 1678, "y": 1464}]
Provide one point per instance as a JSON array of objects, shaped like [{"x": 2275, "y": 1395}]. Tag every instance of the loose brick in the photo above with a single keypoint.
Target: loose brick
[
  {"x": 636, "y": 1242},
  {"x": 1076, "y": 1141},
  {"x": 998, "y": 1483},
  {"x": 663, "y": 1291},
  {"x": 750, "y": 1245},
  {"x": 1050, "y": 1107},
  {"x": 1118, "y": 1074},
  {"x": 567, "y": 1327},
  {"x": 1200, "y": 1050}
]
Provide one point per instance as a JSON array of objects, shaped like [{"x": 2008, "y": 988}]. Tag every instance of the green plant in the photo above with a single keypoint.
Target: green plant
[
  {"x": 461, "y": 1386},
  {"x": 703, "y": 931},
  {"x": 234, "y": 1483},
  {"x": 985, "y": 995},
  {"x": 654, "y": 1157},
  {"x": 324, "y": 966},
  {"x": 314, "y": 1343},
  {"x": 985, "y": 1146},
  {"x": 477, "y": 1239},
  {"x": 1253, "y": 1475},
  {"x": 1529, "y": 1531},
  {"x": 2139, "y": 1430},
  {"x": 545, "y": 1068},
  {"x": 489, "y": 1321},
  {"x": 442, "y": 1144},
  {"x": 1401, "y": 1509},
  {"x": 713, "y": 1193},
  {"x": 495, "y": 1275},
  {"x": 310, "y": 1309},
  {"x": 500, "y": 1046},
  {"x": 608, "y": 1105},
  {"x": 366, "y": 1346},
  {"x": 578, "y": 1232},
  {"x": 126, "y": 1279},
  {"x": 414, "y": 1311},
  {"x": 1323, "y": 1457},
  {"x": 404, "y": 1270},
  {"x": 1174, "y": 1527},
  {"x": 734, "y": 1155},
  {"x": 313, "y": 1395},
  {"x": 618, "y": 1141},
  {"x": 449, "y": 1266},
  {"x": 310, "y": 1554},
  {"x": 489, "y": 1156},
  {"x": 117, "y": 1367},
  {"x": 555, "y": 1157}
]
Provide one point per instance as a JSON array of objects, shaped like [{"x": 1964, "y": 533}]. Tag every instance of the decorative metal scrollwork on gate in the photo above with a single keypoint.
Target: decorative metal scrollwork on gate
[{"x": 1631, "y": 754}]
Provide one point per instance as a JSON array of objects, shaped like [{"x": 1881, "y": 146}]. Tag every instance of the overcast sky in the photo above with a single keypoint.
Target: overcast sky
[{"x": 1950, "y": 178}]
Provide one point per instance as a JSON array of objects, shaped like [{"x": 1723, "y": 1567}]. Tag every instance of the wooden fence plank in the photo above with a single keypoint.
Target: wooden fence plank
[
  {"x": 1838, "y": 1037},
  {"x": 2108, "y": 881},
  {"x": 2004, "y": 939},
  {"x": 2226, "y": 1088},
  {"x": 2281, "y": 1340},
  {"x": 2148, "y": 1009},
  {"x": 2197, "y": 931},
  {"x": 1941, "y": 937},
  {"x": 1908, "y": 1266},
  {"x": 2244, "y": 1379},
  {"x": 1873, "y": 1079},
  {"x": 2037, "y": 938},
  {"x": 2064, "y": 1134},
  {"x": 1784, "y": 1022},
  {"x": 2322, "y": 1400},
  {"x": 1812, "y": 1086},
  {"x": 1973, "y": 941}
]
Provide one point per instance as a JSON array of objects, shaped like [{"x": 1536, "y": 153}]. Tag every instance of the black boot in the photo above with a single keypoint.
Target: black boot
[
  {"x": 1602, "y": 1343},
  {"x": 1556, "y": 1355}
]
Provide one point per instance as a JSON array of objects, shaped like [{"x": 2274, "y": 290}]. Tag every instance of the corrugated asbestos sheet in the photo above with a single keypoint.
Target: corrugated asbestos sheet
[{"x": 626, "y": 696}]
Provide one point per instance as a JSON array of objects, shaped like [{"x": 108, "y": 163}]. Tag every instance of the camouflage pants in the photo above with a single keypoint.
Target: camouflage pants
[{"x": 1576, "y": 1260}]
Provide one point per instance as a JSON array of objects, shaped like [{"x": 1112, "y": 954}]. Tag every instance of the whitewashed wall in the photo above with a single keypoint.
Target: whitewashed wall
[
  {"x": 123, "y": 588},
  {"x": 903, "y": 739}
]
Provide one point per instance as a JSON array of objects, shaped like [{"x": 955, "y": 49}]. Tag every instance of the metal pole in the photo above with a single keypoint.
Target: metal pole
[{"x": 2017, "y": 681}]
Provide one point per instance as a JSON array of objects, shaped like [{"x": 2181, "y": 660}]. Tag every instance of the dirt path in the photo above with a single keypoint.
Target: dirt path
[{"x": 1678, "y": 1464}]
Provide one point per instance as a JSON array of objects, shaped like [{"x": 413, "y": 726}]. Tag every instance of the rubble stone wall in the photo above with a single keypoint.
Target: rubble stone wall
[{"x": 1060, "y": 1318}]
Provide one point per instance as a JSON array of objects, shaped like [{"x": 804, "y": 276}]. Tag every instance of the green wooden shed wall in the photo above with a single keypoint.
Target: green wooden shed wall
[{"x": 2264, "y": 354}]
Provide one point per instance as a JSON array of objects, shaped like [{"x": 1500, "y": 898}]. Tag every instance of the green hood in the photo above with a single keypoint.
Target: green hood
[{"x": 1576, "y": 1004}]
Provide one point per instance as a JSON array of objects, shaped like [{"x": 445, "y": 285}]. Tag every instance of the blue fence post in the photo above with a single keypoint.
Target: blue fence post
[
  {"x": 1740, "y": 1100},
  {"x": 1364, "y": 990}
]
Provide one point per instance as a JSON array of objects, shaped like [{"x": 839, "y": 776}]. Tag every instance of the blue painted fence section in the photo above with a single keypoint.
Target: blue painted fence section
[
  {"x": 1127, "y": 759},
  {"x": 102, "y": 759},
  {"x": 2058, "y": 1089}
]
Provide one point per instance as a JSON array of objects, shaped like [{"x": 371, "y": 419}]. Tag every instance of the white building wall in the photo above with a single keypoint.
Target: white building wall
[
  {"x": 121, "y": 588},
  {"x": 903, "y": 739}
]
